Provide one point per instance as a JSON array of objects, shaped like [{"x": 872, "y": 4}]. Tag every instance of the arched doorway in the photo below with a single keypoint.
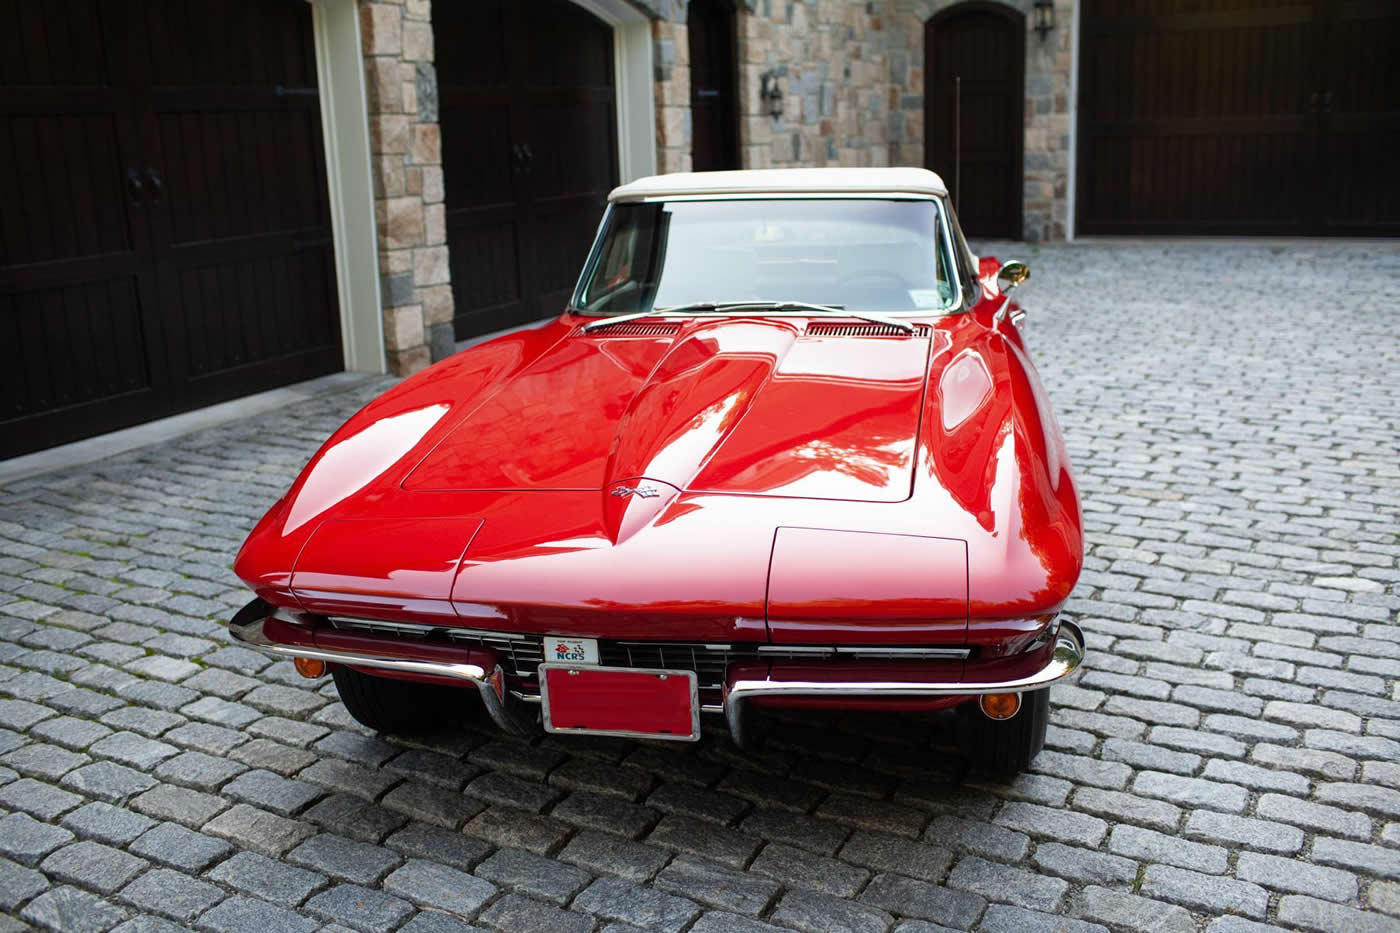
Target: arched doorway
[
  {"x": 530, "y": 150},
  {"x": 714, "y": 97},
  {"x": 974, "y": 112}
]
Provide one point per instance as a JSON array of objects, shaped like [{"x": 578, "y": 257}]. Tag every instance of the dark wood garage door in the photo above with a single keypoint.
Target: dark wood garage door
[
  {"x": 164, "y": 230},
  {"x": 974, "y": 106},
  {"x": 1239, "y": 117},
  {"x": 529, "y": 138}
]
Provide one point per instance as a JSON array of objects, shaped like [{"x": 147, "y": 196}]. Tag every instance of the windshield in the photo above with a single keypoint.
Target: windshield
[{"x": 857, "y": 254}]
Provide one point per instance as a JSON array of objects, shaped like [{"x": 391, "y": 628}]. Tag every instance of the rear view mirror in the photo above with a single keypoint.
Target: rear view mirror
[{"x": 1012, "y": 273}]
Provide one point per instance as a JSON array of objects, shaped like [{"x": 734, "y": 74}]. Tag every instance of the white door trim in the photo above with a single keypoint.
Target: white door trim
[
  {"x": 340, "y": 74},
  {"x": 633, "y": 77},
  {"x": 1072, "y": 160}
]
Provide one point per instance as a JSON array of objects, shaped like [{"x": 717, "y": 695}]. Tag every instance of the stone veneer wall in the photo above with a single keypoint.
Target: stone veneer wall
[
  {"x": 406, "y": 158},
  {"x": 852, "y": 74},
  {"x": 831, "y": 60}
]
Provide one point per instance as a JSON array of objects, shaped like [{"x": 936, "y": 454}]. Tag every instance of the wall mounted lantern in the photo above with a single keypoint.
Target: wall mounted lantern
[
  {"x": 771, "y": 94},
  {"x": 1044, "y": 17}
]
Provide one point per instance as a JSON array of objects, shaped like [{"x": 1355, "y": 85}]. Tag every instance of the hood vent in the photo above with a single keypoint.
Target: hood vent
[
  {"x": 833, "y": 329},
  {"x": 632, "y": 329}
]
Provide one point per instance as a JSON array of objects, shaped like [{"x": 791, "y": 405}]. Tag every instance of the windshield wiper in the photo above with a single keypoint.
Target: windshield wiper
[
  {"x": 712, "y": 306},
  {"x": 821, "y": 309},
  {"x": 654, "y": 312}
]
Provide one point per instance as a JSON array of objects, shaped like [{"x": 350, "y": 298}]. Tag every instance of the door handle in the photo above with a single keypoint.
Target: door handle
[
  {"x": 153, "y": 177},
  {"x": 133, "y": 181}
]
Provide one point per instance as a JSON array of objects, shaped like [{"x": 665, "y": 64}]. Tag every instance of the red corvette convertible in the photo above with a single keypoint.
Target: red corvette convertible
[{"x": 785, "y": 448}]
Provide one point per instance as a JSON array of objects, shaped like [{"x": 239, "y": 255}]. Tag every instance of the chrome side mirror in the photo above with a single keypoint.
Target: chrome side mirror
[{"x": 1012, "y": 273}]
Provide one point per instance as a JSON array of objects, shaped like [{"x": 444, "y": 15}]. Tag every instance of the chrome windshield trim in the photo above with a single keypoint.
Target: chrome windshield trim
[{"x": 958, "y": 306}]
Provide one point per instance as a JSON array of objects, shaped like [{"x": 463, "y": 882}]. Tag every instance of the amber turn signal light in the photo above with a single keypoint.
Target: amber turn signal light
[
  {"x": 1000, "y": 705},
  {"x": 311, "y": 668}
]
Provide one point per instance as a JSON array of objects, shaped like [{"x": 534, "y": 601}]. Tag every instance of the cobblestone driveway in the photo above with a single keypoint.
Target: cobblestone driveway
[{"x": 1229, "y": 761}]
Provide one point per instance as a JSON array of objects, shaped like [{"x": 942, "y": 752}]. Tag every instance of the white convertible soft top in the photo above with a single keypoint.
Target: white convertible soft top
[{"x": 784, "y": 182}]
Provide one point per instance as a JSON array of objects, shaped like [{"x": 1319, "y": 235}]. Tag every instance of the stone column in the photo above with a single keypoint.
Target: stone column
[
  {"x": 406, "y": 158},
  {"x": 1046, "y": 169},
  {"x": 671, "y": 56}
]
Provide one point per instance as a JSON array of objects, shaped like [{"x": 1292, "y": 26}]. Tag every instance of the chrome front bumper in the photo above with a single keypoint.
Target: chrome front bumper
[
  {"x": 508, "y": 712},
  {"x": 1065, "y": 658},
  {"x": 518, "y": 716}
]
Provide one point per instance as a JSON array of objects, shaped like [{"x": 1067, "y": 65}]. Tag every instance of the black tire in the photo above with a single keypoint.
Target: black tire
[
  {"x": 1005, "y": 747},
  {"x": 405, "y": 707}
]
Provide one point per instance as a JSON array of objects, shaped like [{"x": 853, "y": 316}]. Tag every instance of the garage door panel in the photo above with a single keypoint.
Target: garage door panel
[
  {"x": 1237, "y": 117},
  {"x": 476, "y": 148},
  {"x": 564, "y": 230},
  {"x": 485, "y": 259},
  {"x": 568, "y": 47},
  {"x": 65, "y": 346},
  {"x": 166, "y": 239},
  {"x": 240, "y": 173},
  {"x": 559, "y": 169},
  {"x": 529, "y": 153}
]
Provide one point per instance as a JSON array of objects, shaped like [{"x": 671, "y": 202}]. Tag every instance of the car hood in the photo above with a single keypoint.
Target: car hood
[{"x": 754, "y": 407}]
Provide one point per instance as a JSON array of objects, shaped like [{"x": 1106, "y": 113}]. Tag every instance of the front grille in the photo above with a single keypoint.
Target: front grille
[
  {"x": 709, "y": 662},
  {"x": 833, "y": 329},
  {"x": 522, "y": 654}
]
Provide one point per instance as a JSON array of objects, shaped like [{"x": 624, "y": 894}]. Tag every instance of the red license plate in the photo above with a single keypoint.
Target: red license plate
[{"x": 620, "y": 701}]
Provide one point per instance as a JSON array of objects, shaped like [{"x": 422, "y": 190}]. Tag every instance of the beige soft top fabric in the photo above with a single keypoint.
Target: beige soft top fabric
[{"x": 784, "y": 182}]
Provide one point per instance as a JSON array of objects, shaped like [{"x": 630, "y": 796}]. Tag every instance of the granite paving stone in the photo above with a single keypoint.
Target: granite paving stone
[
  {"x": 360, "y": 908},
  {"x": 1204, "y": 892},
  {"x": 717, "y": 886},
  {"x": 108, "y": 781},
  {"x": 270, "y": 879},
  {"x": 179, "y": 804},
  {"x": 248, "y": 915},
  {"x": 601, "y": 853},
  {"x": 616, "y": 899},
  {"x": 38, "y": 798},
  {"x": 540, "y": 877},
  {"x": 355, "y": 817},
  {"x": 344, "y": 858},
  {"x": 174, "y": 845},
  {"x": 27, "y": 841},
  {"x": 171, "y": 894},
  {"x": 430, "y": 804},
  {"x": 923, "y": 901},
  {"x": 18, "y": 884},
  {"x": 440, "y": 887},
  {"x": 72, "y": 911},
  {"x": 441, "y": 845},
  {"x": 92, "y": 865},
  {"x": 258, "y": 830},
  {"x": 517, "y": 912},
  {"x": 813, "y": 912}
]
